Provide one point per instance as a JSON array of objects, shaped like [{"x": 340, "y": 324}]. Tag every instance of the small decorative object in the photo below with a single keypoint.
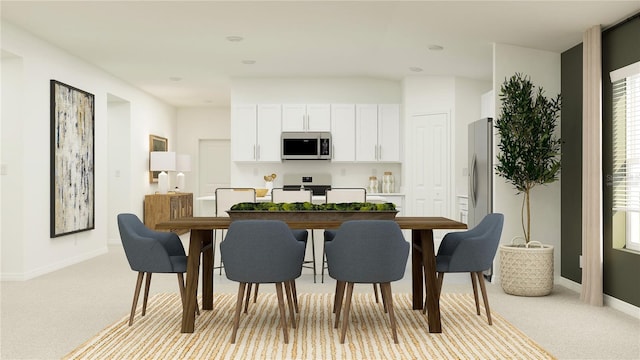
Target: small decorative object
[
  {"x": 388, "y": 183},
  {"x": 373, "y": 184},
  {"x": 156, "y": 143},
  {"x": 261, "y": 192},
  {"x": 72, "y": 160},
  {"x": 528, "y": 157},
  {"x": 268, "y": 182}
]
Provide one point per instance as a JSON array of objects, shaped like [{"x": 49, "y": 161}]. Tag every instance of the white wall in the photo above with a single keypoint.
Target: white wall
[
  {"x": 458, "y": 97},
  {"x": 543, "y": 67},
  {"x": 314, "y": 91},
  {"x": 32, "y": 252},
  {"x": 195, "y": 124},
  {"x": 468, "y": 94}
]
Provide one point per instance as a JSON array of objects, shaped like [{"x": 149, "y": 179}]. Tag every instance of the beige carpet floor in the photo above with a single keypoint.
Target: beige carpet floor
[{"x": 157, "y": 335}]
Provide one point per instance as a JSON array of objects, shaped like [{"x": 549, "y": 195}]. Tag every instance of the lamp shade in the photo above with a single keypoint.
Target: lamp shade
[
  {"x": 162, "y": 161},
  {"x": 183, "y": 163}
]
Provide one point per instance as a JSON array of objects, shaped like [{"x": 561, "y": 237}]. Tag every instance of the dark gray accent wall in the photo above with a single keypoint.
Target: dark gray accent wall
[
  {"x": 620, "y": 47},
  {"x": 621, "y": 268},
  {"x": 571, "y": 184}
]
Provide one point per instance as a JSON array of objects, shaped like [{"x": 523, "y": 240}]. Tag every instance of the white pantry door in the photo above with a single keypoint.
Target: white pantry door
[{"x": 430, "y": 167}]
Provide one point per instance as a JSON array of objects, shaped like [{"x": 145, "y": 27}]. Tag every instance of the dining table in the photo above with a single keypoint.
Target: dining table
[{"x": 423, "y": 261}]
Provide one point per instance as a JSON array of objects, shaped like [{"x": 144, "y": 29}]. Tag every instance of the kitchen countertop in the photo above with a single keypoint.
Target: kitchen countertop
[{"x": 319, "y": 199}]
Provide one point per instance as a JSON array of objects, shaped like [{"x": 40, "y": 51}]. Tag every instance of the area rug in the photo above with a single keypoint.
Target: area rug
[{"x": 157, "y": 335}]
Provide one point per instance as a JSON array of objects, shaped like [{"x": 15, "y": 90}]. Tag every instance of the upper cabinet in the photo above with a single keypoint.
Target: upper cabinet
[
  {"x": 301, "y": 117},
  {"x": 377, "y": 132},
  {"x": 255, "y": 132},
  {"x": 343, "y": 132}
]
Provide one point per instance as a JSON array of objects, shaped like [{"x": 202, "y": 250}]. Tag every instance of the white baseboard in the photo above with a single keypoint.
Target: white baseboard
[
  {"x": 53, "y": 267},
  {"x": 609, "y": 300}
]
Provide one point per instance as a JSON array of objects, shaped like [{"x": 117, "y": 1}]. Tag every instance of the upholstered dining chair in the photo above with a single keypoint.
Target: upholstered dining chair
[
  {"x": 262, "y": 251},
  {"x": 336, "y": 196},
  {"x": 471, "y": 251},
  {"x": 366, "y": 251},
  {"x": 150, "y": 251},
  {"x": 280, "y": 195},
  {"x": 225, "y": 199}
]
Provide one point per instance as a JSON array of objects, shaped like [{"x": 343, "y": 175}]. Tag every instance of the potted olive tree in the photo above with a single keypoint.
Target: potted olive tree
[{"x": 528, "y": 157}]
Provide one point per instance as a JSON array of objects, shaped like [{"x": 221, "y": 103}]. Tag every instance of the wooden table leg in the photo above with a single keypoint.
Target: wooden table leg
[
  {"x": 416, "y": 270},
  {"x": 207, "y": 269},
  {"x": 433, "y": 295},
  {"x": 193, "y": 267}
]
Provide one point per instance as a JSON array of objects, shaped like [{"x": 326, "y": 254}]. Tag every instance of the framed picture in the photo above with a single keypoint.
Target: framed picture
[
  {"x": 156, "y": 143},
  {"x": 72, "y": 188}
]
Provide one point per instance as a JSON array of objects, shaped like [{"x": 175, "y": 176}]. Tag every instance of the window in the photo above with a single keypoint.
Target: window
[{"x": 626, "y": 156}]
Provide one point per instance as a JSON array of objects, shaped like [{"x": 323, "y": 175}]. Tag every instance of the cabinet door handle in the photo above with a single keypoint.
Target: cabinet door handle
[
  {"x": 257, "y": 152},
  {"x": 379, "y": 152},
  {"x": 254, "y": 152}
]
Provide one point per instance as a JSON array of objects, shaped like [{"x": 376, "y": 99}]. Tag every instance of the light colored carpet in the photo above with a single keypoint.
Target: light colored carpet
[{"x": 465, "y": 335}]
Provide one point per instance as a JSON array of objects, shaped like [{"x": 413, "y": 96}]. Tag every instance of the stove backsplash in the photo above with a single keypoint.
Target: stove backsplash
[{"x": 340, "y": 174}]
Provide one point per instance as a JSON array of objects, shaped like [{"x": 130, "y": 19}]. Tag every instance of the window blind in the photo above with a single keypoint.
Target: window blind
[{"x": 626, "y": 142}]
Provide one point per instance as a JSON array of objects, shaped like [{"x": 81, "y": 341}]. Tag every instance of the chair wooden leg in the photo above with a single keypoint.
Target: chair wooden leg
[
  {"x": 136, "y": 294},
  {"x": 247, "y": 296},
  {"x": 337, "y": 301},
  {"x": 255, "y": 293},
  {"x": 294, "y": 293},
  {"x": 475, "y": 291},
  {"x": 385, "y": 289},
  {"x": 375, "y": 292},
  {"x": 484, "y": 296},
  {"x": 289, "y": 292},
  {"x": 347, "y": 308},
  {"x": 283, "y": 315},
  {"x": 384, "y": 299},
  {"x": 147, "y": 284},
  {"x": 236, "y": 317}
]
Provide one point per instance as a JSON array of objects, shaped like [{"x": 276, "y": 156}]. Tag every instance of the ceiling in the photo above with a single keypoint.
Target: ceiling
[{"x": 178, "y": 50}]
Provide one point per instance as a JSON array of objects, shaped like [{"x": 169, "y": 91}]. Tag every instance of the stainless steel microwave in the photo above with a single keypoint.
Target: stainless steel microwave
[{"x": 305, "y": 146}]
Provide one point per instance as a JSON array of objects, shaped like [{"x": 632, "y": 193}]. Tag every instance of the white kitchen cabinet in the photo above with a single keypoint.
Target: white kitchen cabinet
[
  {"x": 310, "y": 117},
  {"x": 255, "y": 132},
  {"x": 378, "y": 132},
  {"x": 343, "y": 132}
]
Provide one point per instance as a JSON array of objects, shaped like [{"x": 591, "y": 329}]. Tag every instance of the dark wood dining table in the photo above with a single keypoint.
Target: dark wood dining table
[{"x": 423, "y": 264}]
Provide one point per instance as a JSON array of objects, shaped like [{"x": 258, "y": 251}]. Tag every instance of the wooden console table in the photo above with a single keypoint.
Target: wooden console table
[
  {"x": 423, "y": 257},
  {"x": 165, "y": 207}
]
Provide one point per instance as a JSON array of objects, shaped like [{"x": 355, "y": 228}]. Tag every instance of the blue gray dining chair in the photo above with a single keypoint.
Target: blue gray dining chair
[
  {"x": 262, "y": 251},
  {"x": 150, "y": 251},
  {"x": 366, "y": 251},
  {"x": 471, "y": 251}
]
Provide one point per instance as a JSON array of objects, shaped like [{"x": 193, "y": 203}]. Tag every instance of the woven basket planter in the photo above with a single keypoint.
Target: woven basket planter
[{"x": 526, "y": 270}]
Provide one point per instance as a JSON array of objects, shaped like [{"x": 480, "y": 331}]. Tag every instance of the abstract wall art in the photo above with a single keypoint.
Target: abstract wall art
[{"x": 72, "y": 160}]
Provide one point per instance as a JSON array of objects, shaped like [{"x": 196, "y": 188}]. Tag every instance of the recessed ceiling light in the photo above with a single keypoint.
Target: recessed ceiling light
[
  {"x": 248, "y": 62},
  {"x": 435, "y": 47},
  {"x": 175, "y": 78},
  {"x": 235, "y": 38},
  {"x": 415, "y": 69}
]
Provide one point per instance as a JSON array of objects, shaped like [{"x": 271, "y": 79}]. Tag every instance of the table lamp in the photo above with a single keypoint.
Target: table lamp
[
  {"x": 162, "y": 161},
  {"x": 183, "y": 163}
]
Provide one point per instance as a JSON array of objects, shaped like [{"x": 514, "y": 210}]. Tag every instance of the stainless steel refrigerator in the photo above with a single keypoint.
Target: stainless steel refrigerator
[
  {"x": 480, "y": 170},
  {"x": 480, "y": 173}
]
